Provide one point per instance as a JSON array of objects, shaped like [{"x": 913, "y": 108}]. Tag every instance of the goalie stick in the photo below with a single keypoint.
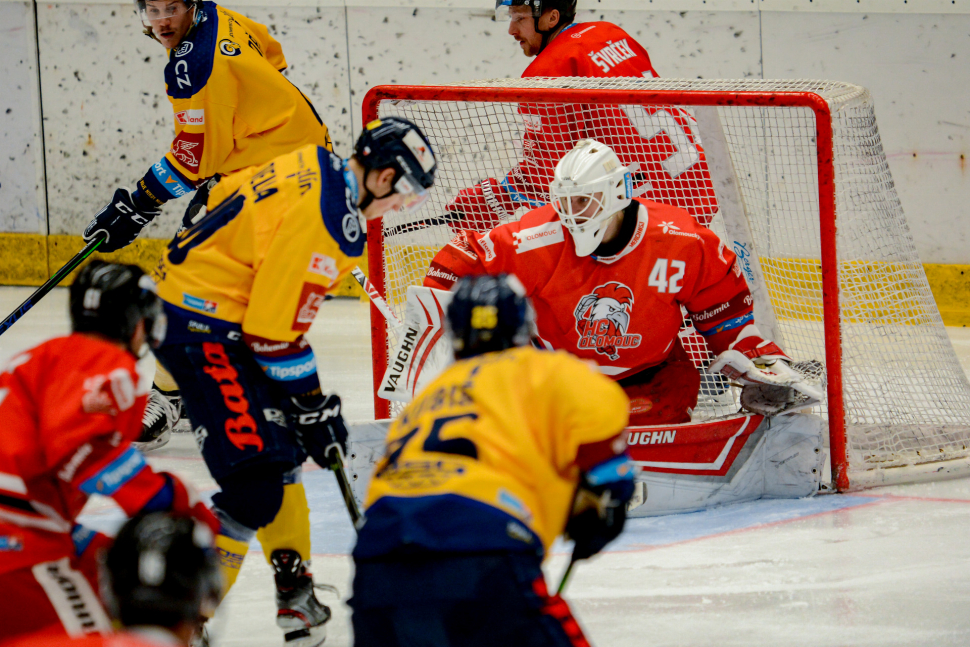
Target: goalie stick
[{"x": 375, "y": 297}]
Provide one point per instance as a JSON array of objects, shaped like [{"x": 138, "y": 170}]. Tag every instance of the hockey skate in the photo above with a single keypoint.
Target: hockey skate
[
  {"x": 161, "y": 416},
  {"x": 300, "y": 615}
]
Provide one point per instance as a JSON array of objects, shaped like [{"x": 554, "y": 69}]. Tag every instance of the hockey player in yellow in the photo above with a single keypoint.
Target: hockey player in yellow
[
  {"x": 233, "y": 108},
  {"x": 504, "y": 451},
  {"x": 241, "y": 287}
]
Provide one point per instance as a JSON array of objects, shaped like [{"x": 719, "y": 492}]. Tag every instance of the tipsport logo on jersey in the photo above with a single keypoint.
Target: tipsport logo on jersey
[{"x": 602, "y": 320}]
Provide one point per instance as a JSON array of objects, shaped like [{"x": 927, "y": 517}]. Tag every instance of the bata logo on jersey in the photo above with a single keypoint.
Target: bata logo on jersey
[
  {"x": 241, "y": 429},
  {"x": 324, "y": 266},
  {"x": 311, "y": 298},
  {"x": 612, "y": 55},
  {"x": 444, "y": 275},
  {"x": 196, "y": 303},
  {"x": 536, "y": 237},
  {"x": 229, "y": 48},
  {"x": 183, "y": 49},
  {"x": 194, "y": 117},
  {"x": 602, "y": 319},
  {"x": 187, "y": 149},
  {"x": 652, "y": 437}
]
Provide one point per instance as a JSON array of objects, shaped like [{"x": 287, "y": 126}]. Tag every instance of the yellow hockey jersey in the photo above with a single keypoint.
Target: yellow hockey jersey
[
  {"x": 233, "y": 106},
  {"x": 488, "y": 456},
  {"x": 275, "y": 240}
]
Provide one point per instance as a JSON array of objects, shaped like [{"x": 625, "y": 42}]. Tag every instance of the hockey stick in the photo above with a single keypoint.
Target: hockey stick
[
  {"x": 375, "y": 297},
  {"x": 335, "y": 459},
  {"x": 565, "y": 576},
  {"x": 51, "y": 283}
]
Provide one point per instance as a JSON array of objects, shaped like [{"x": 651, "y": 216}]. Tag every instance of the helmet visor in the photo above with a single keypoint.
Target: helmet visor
[
  {"x": 502, "y": 10},
  {"x": 157, "y": 10},
  {"x": 414, "y": 194}
]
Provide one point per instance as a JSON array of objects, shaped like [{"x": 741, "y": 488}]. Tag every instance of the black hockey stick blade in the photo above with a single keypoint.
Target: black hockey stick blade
[
  {"x": 336, "y": 465},
  {"x": 51, "y": 283}
]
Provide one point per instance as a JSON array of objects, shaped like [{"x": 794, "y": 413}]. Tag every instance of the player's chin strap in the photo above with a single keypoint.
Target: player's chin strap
[
  {"x": 370, "y": 197},
  {"x": 547, "y": 34}
]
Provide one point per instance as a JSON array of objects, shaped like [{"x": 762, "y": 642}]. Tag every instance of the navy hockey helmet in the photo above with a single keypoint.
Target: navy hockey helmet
[
  {"x": 162, "y": 570},
  {"x": 399, "y": 144},
  {"x": 110, "y": 299},
  {"x": 489, "y": 313}
]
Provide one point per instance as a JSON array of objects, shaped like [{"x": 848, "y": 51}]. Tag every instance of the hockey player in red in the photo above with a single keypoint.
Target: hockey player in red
[
  {"x": 69, "y": 410},
  {"x": 611, "y": 289},
  {"x": 660, "y": 140},
  {"x": 158, "y": 606}
]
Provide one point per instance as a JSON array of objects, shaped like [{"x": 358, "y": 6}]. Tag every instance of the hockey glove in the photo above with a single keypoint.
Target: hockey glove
[
  {"x": 599, "y": 509},
  {"x": 771, "y": 384},
  {"x": 121, "y": 220},
  {"x": 320, "y": 428}
]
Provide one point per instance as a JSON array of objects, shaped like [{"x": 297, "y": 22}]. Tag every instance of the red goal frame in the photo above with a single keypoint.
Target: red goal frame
[{"x": 826, "y": 195}]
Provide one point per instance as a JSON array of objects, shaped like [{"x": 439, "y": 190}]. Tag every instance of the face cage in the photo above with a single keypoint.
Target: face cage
[{"x": 562, "y": 204}]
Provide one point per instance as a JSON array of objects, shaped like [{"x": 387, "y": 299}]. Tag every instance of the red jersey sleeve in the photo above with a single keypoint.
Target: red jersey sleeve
[
  {"x": 499, "y": 251},
  {"x": 720, "y": 303}
]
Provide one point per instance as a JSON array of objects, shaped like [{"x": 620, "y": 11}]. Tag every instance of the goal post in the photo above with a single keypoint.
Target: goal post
[{"x": 807, "y": 202}]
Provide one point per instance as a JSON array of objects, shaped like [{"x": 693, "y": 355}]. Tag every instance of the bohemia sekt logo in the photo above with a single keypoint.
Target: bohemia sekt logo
[{"x": 602, "y": 319}]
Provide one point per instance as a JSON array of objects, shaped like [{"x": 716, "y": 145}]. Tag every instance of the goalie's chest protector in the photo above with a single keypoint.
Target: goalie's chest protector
[{"x": 623, "y": 311}]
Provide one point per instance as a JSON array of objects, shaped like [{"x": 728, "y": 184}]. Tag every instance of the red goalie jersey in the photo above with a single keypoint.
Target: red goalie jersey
[
  {"x": 661, "y": 140},
  {"x": 622, "y": 311}
]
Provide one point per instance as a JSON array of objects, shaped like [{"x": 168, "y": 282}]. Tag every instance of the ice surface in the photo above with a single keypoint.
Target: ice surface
[{"x": 890, "y": 566}]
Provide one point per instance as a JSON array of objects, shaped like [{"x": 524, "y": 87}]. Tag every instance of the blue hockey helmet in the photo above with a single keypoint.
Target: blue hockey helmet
[
  {"x": 393, "y": 142},
  {"x": 489, "y": 313}
]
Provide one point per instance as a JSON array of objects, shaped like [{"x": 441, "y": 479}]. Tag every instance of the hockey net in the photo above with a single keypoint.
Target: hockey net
[{"x": 804, "y": 196}]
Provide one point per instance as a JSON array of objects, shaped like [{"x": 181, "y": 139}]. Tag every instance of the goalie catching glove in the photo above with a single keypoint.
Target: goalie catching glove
[
  {"x": 320, "y": 428},
  {"x": 599, "y": 509},
  {"x": 771, "y": 383}
]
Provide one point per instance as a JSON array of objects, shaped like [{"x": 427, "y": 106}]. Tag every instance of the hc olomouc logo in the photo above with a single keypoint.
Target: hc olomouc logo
[{"x": 602, "y": 320}]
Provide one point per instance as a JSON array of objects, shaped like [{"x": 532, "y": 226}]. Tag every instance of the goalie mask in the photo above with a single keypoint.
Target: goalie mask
[
  {"x": 589, "y": 187},
  {"x": 487, "y": 314}
]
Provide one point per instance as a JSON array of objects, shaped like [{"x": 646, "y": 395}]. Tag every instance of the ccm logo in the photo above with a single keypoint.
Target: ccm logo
[{"x": 313, "y": 417}]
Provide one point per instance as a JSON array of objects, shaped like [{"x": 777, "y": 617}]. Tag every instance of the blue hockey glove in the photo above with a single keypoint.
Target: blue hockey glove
[{"x": 121, "y": 219}]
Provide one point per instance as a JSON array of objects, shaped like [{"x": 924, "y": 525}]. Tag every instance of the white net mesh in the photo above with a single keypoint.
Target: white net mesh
[{"x": 906, "y": 399}]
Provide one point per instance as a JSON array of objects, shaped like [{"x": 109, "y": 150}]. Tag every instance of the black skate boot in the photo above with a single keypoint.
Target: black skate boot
[
  {"x": 161, "y": 416},
  {"x": 300, "y": 615}
]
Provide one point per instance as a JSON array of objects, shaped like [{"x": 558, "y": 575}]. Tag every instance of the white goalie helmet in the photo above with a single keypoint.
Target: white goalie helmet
[{"x": 590, "y": 185}]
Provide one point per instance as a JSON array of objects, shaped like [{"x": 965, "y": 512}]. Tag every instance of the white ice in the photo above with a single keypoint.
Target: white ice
[{"x": 890, "y": 566}]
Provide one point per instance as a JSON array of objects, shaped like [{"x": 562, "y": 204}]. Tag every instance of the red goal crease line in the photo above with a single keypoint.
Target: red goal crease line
[{"x": 754, "y": 98}]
